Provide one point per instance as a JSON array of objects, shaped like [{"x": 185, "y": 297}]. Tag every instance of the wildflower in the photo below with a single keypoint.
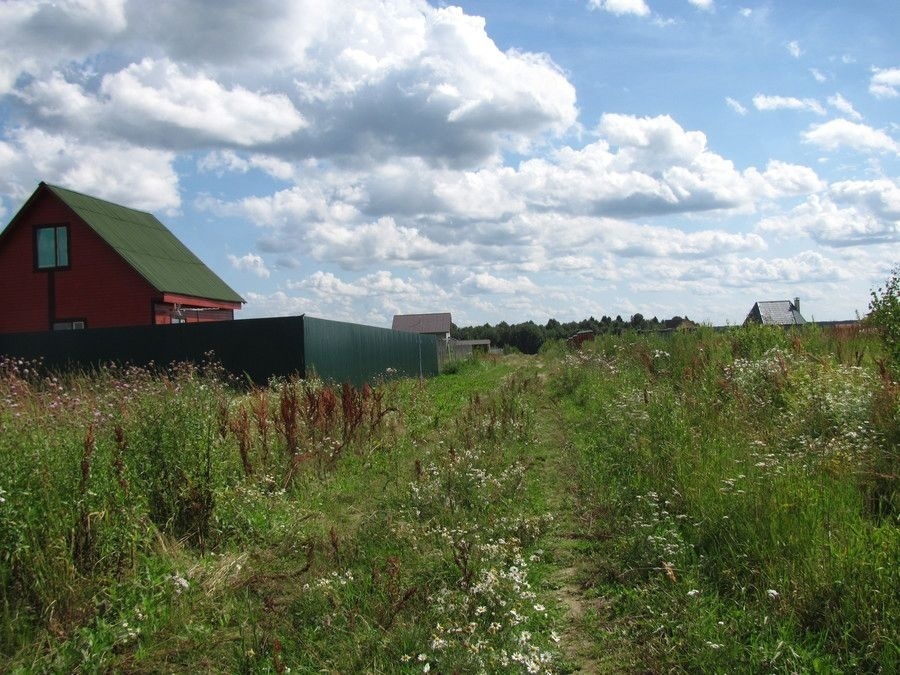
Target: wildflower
[
  {"x": 426, "y": 668},
  {"x": 422, "y": 657},
  {"x": 693, "y": 593},
  {"x": 406, "y": 658},
  {"x": 554, "y": 636},
  {"x": 181, "y": 584},
  {"x": 772, "y": 593},
  {"x": 539, "y": 608}
]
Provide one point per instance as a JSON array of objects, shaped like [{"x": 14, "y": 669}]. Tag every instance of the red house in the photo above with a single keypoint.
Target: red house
[{"x": 68, "y": 261}]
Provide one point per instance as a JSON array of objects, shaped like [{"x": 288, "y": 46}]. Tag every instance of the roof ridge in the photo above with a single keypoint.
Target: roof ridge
[
  {"x": 96, "y": 199},
  {"x": 147, "y": 245}
]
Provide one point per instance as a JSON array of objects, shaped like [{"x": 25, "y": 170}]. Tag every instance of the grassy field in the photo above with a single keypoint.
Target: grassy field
[{"x": 698, "y": 502}]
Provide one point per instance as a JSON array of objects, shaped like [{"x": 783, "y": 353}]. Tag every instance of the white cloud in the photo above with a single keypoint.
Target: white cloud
[
  {"x": 488, "y": 283},
  {"x": 743, "y": 272},
  {"x": 136, "y": 177},
  {"x": 158, "y": 92},
  {"x": 221, "y": 161},
  {"x": 706, "y": 5},
  {"x": 371, "y": 298},
  {"x": 156, "y": 102},
  {"x": 781, "y": 179},
  {"x": 382, "y": 241},
  {"x": 306, "y": 79},
  {"x": 38, "y": 35},
  {"x": 879, "y": 197},
  {"x": 280, "y": 303},
  {"x": 840, "y": 103},
  {"x": 843, "y": 133},
  {"x": 250, "y": 263},
  {"x": 659, "y": 242},
  {"x": 735, "y": 105},
  {"x": 817, "y": 74},
  {"x": 885, "y": 83},
  {"x": 849, "y": 213},
  {"x": 794, "y": 50},
  {"x": 620, "y": 7},
  {"x": 326, "y": 284},
  {"x": 567, "y": 206},
  {"x": 745, "y": 12},
  {"x": 762, "y": 102}
]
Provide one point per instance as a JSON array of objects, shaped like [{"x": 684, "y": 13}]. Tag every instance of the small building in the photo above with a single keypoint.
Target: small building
[
  {"x": 462, "y": 349},
  {"x": 439, "y": 324},
  {"x": 580, "y": 338},
  {"x": 776, "y": 313},
  {"x": 69, "y": 261}
]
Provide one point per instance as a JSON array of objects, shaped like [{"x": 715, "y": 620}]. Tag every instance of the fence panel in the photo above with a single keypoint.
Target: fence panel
[
  {"x": 252, "y": 348},
  {"x": 256, "y": 349},
  {"x": 349, "y": 352}
]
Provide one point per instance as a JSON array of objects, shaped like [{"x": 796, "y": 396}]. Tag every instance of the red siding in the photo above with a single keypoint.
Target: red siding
[
  {"x": 23, "y": 294},
  {"x": 99, "y": 286}
]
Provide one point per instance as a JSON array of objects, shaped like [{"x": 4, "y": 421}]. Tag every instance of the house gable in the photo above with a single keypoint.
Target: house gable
[
  {"x": 149, "y": 247},
  {"x": 97, "y": 286},
  {"x": 107, "y": 280}
]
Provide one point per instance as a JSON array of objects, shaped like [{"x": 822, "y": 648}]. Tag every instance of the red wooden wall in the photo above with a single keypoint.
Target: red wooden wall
[{"x": 99, "y": 287}]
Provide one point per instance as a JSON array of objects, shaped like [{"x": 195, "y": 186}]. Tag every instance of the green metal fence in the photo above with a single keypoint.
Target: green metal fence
[
  {"x": 349, "y": 352},
  {"x": 257, "y": 349}
]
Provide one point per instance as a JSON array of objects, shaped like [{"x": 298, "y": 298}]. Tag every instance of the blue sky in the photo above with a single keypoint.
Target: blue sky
[{"x": 499, "y": 160}]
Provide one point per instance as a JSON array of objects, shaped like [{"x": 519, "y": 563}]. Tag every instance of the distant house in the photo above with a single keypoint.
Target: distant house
[
  {"x": 438, "y": 324},
  {"x": 69, "y": 261},
  {"x": 580, "y": 338},
  {"x": 776, "y": 313},
  {"x": 678, "y": 323}
]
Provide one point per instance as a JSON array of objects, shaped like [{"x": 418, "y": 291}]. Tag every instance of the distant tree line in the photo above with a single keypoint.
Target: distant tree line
[{"x": 528, "y": 337}]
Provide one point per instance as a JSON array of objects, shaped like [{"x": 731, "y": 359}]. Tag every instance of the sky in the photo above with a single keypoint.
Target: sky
[{"x": 501, "y": 160}]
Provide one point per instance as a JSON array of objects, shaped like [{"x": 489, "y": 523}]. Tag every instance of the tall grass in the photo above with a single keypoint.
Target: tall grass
[
  {"x": 733, "y": 496},
  {"x": 171, "y": 520},
  {"x": 98, "y": 470},
  {"x": 750, "y": 481}
]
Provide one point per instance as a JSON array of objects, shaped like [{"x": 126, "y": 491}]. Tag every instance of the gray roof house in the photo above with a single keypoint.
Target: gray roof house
[
  {"x": 438, "y": 324},
  {"x": 776, "y": 313}
]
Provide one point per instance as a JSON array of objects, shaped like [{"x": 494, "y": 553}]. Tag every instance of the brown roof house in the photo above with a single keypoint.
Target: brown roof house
[
  {"x": 776, "y": 313},
  {"x": 438, "y": 324}
]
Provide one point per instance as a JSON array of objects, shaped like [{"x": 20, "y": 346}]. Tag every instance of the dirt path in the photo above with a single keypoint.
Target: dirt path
[{"x": 560, "y": 478}]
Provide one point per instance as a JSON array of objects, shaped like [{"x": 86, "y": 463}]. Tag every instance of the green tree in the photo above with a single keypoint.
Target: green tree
[{"x": 884, "y": 313}]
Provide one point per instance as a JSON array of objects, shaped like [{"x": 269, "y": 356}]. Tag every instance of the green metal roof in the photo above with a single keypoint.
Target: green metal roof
[{"x": 149, "y": 247}]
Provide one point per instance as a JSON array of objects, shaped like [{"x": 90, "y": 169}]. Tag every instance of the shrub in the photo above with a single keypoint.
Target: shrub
[{"x": 884, "y": 313}]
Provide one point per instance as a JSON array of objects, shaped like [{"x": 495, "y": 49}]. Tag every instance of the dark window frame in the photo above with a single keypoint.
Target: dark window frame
[{"x": 55, "y": 227}]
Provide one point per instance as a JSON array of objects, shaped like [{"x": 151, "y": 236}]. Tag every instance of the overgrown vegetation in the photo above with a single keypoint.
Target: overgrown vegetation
[
  {"x": 702, "y": 501},
  {"x": 884, "y": 314},
  {"x": 740, "y": 489}
]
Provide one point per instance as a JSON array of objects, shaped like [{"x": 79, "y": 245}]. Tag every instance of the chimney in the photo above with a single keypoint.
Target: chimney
[{"x": 797, "y": 304}]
